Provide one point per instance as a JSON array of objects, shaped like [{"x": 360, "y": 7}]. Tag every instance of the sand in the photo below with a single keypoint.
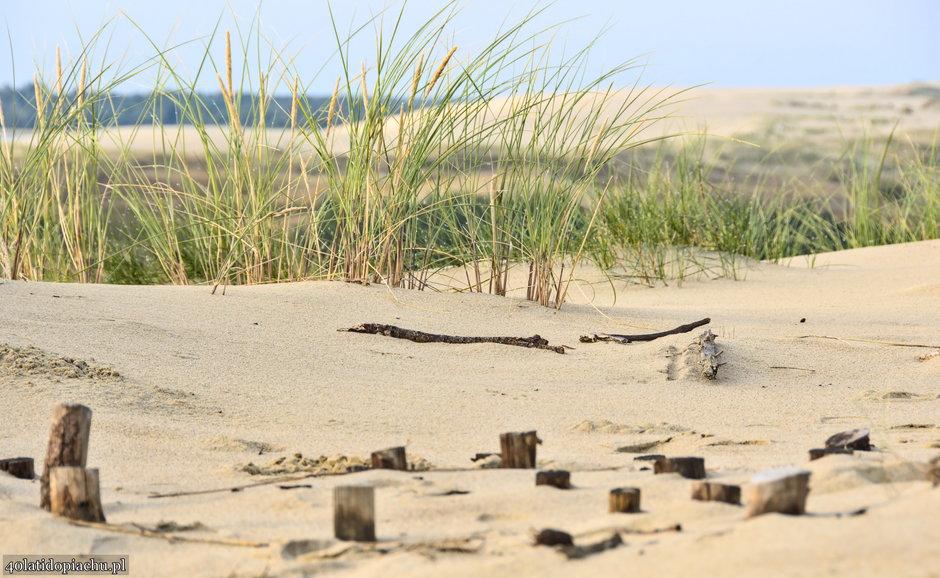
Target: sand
[{"x": 189, "y": 388}]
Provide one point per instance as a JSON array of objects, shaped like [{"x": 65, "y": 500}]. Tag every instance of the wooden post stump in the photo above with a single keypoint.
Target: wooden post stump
[
  {"x": 624, "y": 500},
  {"x": 390, "y": 459},
  {"x": 933, "y": 471},
  {"x": 68, "y": 443},
  {"x": 816, "y": 453},
  {"x": 783, "y": 490},
  {"x": 18, "y": 467},
  {"x": 560, "y": 479},
  {"x": 552, "y": 537},
  {"x": 75, "y": 493},
  {"x": 354, "y": 513},
  {"x": 855, "y": 439},
  {"x": 518, "y": 449},
  {"x": 714, "y": 492},
  {"x": 692, "y": 468}
]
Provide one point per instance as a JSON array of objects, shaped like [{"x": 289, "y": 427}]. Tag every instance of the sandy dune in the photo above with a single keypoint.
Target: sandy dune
[{"x": 206, "y": 384}]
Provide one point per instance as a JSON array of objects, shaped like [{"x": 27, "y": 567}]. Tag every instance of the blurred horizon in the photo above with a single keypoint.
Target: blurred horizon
[{"x": 726, "y": 43}]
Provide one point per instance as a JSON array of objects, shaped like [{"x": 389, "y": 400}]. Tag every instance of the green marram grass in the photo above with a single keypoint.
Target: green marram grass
[{"x": 431, "y": 162}]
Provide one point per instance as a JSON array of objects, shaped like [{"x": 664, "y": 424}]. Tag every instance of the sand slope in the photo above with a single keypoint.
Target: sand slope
[{"x": 185, "y": 386}]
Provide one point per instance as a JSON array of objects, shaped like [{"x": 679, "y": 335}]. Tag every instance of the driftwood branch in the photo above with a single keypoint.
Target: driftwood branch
[
  {"x": 534, "y": 342},
  {"x": 595, "y": 337},
  {"x": 709, "y": 362}
]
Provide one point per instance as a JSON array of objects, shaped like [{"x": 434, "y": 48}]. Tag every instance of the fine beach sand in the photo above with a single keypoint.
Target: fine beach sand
[
  {"x": 208, "y": 382},
  {"x": 193, "y": 391}
]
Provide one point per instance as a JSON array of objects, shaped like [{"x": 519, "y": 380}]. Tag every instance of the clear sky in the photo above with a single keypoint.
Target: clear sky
[{"x": 684, "y": 42}]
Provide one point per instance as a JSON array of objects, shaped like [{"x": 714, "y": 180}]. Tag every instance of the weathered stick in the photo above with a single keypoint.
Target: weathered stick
[
  {"x": 354, "y": 513},
  {"x": 624, "y": 500},
  {"x": 535, "y": 342},
  {"x": 18, "y": 467},
  {"x": 74, "y": 493},
  {"x": 619, "y": 338},
  {"x": 891, "y": 343},
  {"x": 692, "y": 468},
  {"x": 560, "y": 479},
  {"x": 390, "y": 459},
  {"x": 68, "y": 443},
  {"x": 518, "y": 449},
  {"x": 714, "y": 492},
  {"x": 783, "y": 490},
  {"x": 709, "y": 362},
  {"x": 573, "y": 552},
  {"x": 141, "y": 531}
]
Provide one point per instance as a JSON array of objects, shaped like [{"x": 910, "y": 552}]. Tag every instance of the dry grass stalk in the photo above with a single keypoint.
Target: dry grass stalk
[
  {"x": 365, "y": 91},
  {"x": 228, "y": 60},
  {"x": 414, "y": 82},
  {"x": 332, "y": 112},
  {"x": 37, "y": 90},
  {"x": 58, "y": 70},
  {"x": 439, "y": 71}
]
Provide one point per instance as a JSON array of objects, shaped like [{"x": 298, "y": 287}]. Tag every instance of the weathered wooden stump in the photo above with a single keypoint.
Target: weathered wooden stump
[
  {"x": 551, "y": 537},
  {"x": 68, "y": 443},
  {"x": 816, "y": 453},
  {"x": 560, "y": 479},
  {"x": 855, "y": 439},
  {"x": 390, "y": 459},
  {"x": 75, "y": 493},
  {"x": 518, "y": 449},
  {"x": 714, "y": 492},
  {"x": 18, "y": 467},
  {"x": 783, "y": 490},
  {"x": 624, "y": 500},
  {"x": 933, "y": 471},
  {"x": 354, "y": 513},
  {"x": 688, "y": 467}
]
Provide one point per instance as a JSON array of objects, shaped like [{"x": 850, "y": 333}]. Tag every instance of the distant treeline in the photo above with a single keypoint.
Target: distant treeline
[{"x": 168, "y": 107}]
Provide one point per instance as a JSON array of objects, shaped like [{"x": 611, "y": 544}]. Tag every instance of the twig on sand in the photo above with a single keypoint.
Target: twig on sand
[
  {"x": 278, "y": 480},
  {"x": 147, "y": 533},
  {"x": 535, "y": 342},
  {"x": 891, "y": 343},
  {"x": 469, "y": 545},
  {"x": 595, "y": 337}
]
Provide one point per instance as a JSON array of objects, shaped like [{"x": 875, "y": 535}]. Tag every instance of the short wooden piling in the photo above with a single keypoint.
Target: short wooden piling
[
  {"x": 518, "y": 449},
  {"x": 688, "y": 467},
  {"x": 18, "y": 467},
  {"x": 390, "y": 459},
  {"x": 783, "y": 490},
  {"x": 354, "y": 513},
  {"x": 75, "y": 493},
  {"x": 560, "y": 479},
  {"x": 714, "y": 492},
  {"x": 854, "y": 439},
  {"x": 68, "y": 443},
  {"x": 624, "y": 500}
]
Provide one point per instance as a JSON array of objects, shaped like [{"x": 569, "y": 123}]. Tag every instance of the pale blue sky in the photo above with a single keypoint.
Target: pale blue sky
[{"x": 686, "y": 42}]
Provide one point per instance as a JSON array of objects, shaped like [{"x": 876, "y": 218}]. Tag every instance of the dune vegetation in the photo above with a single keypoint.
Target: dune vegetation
[{"x": 426, "y": 160}]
